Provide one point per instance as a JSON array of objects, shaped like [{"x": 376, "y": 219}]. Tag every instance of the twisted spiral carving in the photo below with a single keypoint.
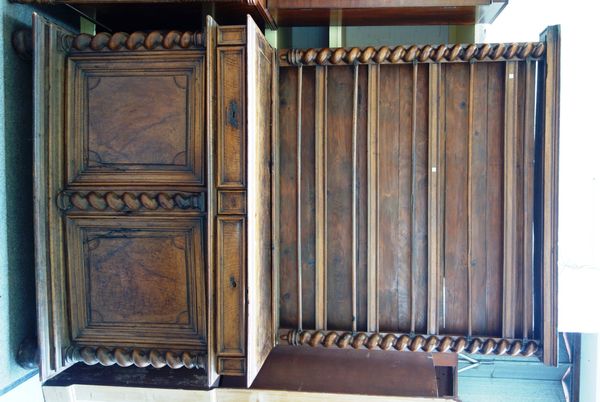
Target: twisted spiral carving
[
  {"x": 404, "y": 342},
  {"x": 128, "y": 201},
  {"x": 155, "y": 40},
  {"x": 126, "y": 357},
  {"x": 411, "y": 54}
]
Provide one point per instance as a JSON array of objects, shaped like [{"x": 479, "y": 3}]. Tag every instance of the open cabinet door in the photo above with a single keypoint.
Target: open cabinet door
[
  {"x": 260, "y": 67},
  {"x": 48, "y": 78}
]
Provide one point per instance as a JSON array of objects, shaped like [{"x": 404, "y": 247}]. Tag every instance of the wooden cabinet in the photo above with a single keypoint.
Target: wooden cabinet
[
  {"x": 148, "y": 213},
  {"x": 201, "y": 197}
]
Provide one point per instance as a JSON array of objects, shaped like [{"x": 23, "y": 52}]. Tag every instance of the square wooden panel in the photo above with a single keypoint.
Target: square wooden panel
[
  {"x": 137, "y": 281},
  {"x": 136, "y": 118}
]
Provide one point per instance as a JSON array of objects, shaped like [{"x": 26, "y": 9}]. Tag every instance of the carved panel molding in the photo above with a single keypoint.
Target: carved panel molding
[
  {"x": 410, "y": 342},
  {"x": 121, "y": 41},
  {"x": 413, "y": 54},
  {"x": 126, "y": 357},
  {"x": 130, "y": 201}
]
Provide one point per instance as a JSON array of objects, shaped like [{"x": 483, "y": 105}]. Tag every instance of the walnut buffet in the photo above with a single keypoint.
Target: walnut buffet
[{"x": 201, "y": 197}]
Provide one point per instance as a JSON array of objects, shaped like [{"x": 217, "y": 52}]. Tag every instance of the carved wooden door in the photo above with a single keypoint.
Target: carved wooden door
[{"x": 121, "y": 208}]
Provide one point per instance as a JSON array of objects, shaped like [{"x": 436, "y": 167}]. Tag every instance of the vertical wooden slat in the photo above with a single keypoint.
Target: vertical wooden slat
[
  {"x": 510, "y": 191},
  {"x": 276, "y": 194},
  {"x": 372, "y": 198},
  {"x": 299, "y": 193},
  {"x": 308, "y": 198},
  {"x": 211, "y": 225},
  {"x": 528, "y": 160},
  {"x": 494, "y": 157},
  {"x": 441, "y": 176},
  {"x": 433, "y": 232},
  {"x": 470, "y": 213},
  {"x": 287, "y": 188},
  {"x": 354, "y": 196},
  {"x": 321, "y": 196},
  {"x": 413, "y": 217},
  {"x": 456, "y": 116},
  {"x": 550, "y": 194},
  {"x": 340, "y": 82}
]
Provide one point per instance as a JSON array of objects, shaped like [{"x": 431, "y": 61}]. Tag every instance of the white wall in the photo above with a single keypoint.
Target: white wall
[{"x": 579, "y": 171}]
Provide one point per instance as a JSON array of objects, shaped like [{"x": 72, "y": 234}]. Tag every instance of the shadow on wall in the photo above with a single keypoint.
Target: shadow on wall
[{"x": 17, "y": 304}]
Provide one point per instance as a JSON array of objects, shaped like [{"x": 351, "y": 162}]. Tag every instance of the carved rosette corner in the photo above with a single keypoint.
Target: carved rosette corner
[
  {"x": 412, "y": 54},
  {"x": 128, "y": 201},
  {"x": 406, "y": 342},
  {"x": 126, "y": 357},
  {"x": 121, "y": 41}
]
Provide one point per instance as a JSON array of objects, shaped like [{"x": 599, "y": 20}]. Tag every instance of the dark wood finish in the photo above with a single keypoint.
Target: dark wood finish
[
  {"x": 336, "y": 198},
  {"x": 408, "y": 342},
  {"x": 130, "y": 377},
  {"x": 159, "y": 14},
  {"x": 435, "y": 149},
  {"x": 550, "y": 198},
  {"x": 372, "y": 372}
]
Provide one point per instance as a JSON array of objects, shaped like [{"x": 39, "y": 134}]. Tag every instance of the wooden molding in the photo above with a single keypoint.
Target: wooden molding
[
  {"x": 121, "y": 41},
  {"x": 409, "y": 342},
  {"x": 550, "y": 134},
  {"x": 410, "y": 54},
  {"x": 126, "y": 357},
  {"x": 129, "y": 201}
]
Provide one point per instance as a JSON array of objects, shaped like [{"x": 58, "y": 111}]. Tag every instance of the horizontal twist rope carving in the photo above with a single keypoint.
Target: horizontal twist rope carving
[
  {"x": 155, "y": 40},
  {"x": 404, "y": 342},
  {"x": 411, "y": 54},
  {"x": 128, "y": 201},
  {"x": 126, "y": 357}
]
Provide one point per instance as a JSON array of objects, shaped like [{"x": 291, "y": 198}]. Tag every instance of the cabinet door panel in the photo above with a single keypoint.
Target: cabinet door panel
[
  {"x": 137, "y": 281},
  {"x": 120, "y": 198},
  {"x": 261, "y": 334},
  {"x": 136, "y": 119}
]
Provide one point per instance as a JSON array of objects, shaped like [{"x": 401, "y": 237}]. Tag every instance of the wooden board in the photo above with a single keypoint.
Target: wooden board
[
  {"x": 49, "y": 79},
  {"x": 261, "y": 335}
]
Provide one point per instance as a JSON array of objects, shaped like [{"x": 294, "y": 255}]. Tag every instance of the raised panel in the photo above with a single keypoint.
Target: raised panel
[
  {"x": 231, "y": 202},
  {"x": 136, "y": 118},
  {"x": 232, "y": 366},
  {"x": 231, "y": 285},
  {"x": 231, "y": 134},
  {"x": 137, "y": 281}
]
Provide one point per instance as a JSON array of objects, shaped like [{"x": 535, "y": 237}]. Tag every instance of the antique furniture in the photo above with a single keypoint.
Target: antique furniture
[{"x": 201, "y": 197}]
